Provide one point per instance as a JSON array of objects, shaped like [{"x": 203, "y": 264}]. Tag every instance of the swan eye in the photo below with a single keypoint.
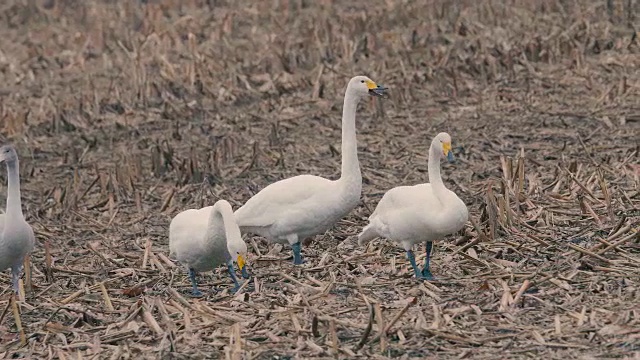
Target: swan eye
[{"x": 362, "y": 81}]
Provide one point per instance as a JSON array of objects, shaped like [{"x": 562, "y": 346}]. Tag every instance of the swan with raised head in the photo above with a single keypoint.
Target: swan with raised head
[
  {"x": 409, "y": 215},
  {"x": 293, "y": 209},
  {"x": 202, "y": 239},
  {"x": 16, "y": 235}
]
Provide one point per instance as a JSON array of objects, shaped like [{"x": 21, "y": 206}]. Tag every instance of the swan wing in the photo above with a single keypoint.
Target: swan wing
[
  {"x": 404, "y": 197},
  {"x": 272, "y": 202},
  {"x": 401, "y": 209},
  {"x": 187, "y": 228}
]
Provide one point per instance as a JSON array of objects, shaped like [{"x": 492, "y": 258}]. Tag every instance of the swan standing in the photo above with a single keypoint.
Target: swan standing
[
  {"x": 203, "y": 239},
  {"x": 290, "y": 210},
  {"x": 425, "y": 212},
  {"x": 16, "y": 235}
]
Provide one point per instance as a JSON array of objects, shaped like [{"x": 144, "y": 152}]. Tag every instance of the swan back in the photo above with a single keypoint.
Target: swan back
[
  {"x": 188, "y": 229},
  {"x": 304, "y": 205},
  {"x": 277, "y": 200}
]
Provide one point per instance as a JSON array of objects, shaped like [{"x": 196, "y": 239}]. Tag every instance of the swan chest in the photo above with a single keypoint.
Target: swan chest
[{"x": 15, "y": 243}]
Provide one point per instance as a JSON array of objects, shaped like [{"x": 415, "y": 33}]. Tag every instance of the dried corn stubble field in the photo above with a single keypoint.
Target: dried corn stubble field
[{"x": 126, "y": 114}]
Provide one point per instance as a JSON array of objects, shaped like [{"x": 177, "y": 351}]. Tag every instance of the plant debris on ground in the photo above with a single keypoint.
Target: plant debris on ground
[{"x": 125, "y": 113}]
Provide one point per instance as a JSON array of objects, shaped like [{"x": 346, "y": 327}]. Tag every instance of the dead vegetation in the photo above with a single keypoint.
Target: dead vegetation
[{"x": 127, "y": 112}]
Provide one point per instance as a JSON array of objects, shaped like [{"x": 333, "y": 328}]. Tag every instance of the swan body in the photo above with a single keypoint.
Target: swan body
[
  {"x": 426, "y": 212},
  {"x": 290, "y": 210},
  {"x": 318, "y": 204},
  {"x": 203, "y": 239},
  {"x": 16, "y": 235}
]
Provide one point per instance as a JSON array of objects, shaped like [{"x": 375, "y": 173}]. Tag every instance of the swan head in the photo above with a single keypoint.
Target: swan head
[
  {"x": 8, "y": 153},
  {"x": 238, "y": 251},
  {"x": 362, "y": 86},
  {"x": 442, "y": 145}
]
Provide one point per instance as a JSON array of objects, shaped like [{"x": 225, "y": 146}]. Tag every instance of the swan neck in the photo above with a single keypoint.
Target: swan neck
[
  {"x": 222, "y": 217},
  {"x": 350, "y": 168},
  {"x": 434, "y": 175},
  {"x": 14, "y": 205}
]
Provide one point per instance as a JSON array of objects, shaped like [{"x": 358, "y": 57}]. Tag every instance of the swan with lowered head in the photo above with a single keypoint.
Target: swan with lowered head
[
  {"x": 409, "y": 215},
  {"x": 203, "y": 239},
  {"x": 16, "y": 235},
  {"x": 293, "y": 209}
]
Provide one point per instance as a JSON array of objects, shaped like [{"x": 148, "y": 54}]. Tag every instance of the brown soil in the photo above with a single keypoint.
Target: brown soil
[{"x": 126, "y": 112}]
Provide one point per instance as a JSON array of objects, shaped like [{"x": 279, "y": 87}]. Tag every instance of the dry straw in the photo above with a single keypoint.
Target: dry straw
[{"x": 127, "y": 112}]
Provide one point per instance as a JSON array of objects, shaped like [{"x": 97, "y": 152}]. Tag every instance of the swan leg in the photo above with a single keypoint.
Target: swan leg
[
  {"x": 245, "y": 273},
  {"x": 297, "y": 257},
  {"x": 295, "y": 246},
  {"x": 426, "y": 273},
  {"x": 412, "y": 260},
  {"x": 192, "y": 276},
  {"x": 232, "y": 273},
  {"x": 15, "y": 278}
]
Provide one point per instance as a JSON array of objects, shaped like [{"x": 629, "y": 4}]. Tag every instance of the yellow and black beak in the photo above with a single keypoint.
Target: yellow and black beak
[
  {"x": 446, "y": 151},
  {"x": 242, "y": 267},
  {"x": 375, "y": 89}
]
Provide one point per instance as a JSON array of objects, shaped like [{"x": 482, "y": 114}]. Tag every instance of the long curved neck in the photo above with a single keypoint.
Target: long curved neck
[
  {"x": 435, "y": 179},
  {"x": 14, "y": 205},
  {"x": 222, "y": 217},
  {"x": 350, "y": 169}
]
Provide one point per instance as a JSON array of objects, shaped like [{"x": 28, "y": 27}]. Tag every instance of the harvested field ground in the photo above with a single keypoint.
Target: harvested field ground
[{"x": 125, "y": 113}]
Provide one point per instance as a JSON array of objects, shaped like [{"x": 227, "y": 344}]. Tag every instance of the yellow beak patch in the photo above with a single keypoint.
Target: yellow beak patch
[
  {"x": 446, "y": 148},
  {"x": 240, "y": 262},
  {"x": 371, "y": 85}
]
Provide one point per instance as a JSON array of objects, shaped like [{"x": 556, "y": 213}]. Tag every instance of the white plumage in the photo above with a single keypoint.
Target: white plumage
[
  {"x": 16, "y": 235},
  {"x": 299, "y": 207},
  {"x": 409, "y": 215},
  {"x": 203, "y": 239}
]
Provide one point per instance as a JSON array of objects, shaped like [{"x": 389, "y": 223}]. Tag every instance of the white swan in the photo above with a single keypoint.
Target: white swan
[
  {"x": 203, "y": 239},
  {"x": 425, "y": 212},
  {"x": 16, "y": 235},
  {"x": 293, "y": 209}
]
